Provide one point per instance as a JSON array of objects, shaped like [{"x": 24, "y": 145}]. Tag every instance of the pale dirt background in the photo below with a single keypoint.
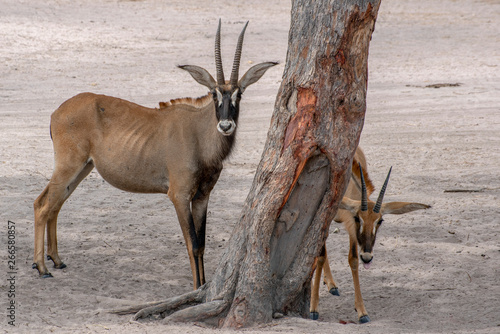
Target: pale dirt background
[{"x": 435, "y": 271}]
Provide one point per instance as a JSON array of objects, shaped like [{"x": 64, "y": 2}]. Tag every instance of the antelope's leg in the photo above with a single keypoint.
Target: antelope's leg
[
  {"x": 52, "y": 252},
  {"x": 320, "y": 261},
  {"x": 47, "y": 207},
  {"x": 358, "y": 299},
  {"x": 182, "y": 203},
  {"x": 41, "y": 217},
  {"x": 200, "y": 206},
  {"x": 328, "y": 277}
]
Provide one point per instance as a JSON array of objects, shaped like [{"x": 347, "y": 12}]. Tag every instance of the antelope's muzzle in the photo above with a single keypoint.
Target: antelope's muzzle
[
  {"x": 367, "y": 259},
  {"x": 226, "y": 127}
]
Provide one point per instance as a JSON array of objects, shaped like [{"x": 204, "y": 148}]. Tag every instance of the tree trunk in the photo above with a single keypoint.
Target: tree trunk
[{"x": 318, "y": 116}]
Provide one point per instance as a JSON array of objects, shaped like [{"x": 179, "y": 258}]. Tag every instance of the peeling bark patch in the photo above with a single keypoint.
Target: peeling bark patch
[
  {"x": 298, "y": 132},
  {"x": 298, "y": 127}
]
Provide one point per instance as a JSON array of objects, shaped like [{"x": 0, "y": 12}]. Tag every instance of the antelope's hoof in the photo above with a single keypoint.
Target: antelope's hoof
[
  {"x": 61, "y": 266},
  {"x": 364, "y": 319},
  {"x": 314, "y": 315},
  {"x": 46, "y": 275},
  {"x": 335, "y": 291}
]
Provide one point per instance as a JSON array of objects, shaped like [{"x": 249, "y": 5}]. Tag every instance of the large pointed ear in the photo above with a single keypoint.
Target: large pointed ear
[
  {"x": 398, "y": 208},
  {"x": 350, "y": 205},
  {"x": 254, "y": 74},
  {"x": 200, "y": 74}
]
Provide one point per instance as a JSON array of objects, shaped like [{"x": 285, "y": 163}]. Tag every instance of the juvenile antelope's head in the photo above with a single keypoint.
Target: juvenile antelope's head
[
  {"x": 367, "y": 216},
  {"x": 227, "y": 95}
]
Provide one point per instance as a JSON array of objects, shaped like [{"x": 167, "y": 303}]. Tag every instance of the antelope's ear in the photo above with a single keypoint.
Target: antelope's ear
[
  {"x": 200, "y": 74},
  {"x": 350, "y": 205},
  {"x": 398, "y": 208},
  {"x": 254, "y": 74}
]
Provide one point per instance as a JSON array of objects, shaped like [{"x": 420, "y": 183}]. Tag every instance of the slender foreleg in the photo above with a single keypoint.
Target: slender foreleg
[
  {"x": 200, "y": 206},
  {"x": 328, "y": 277},
  {"x": 199, "y": 209},
  {"x": 320, "y": 261},
  {"x": 354, "y": 263},
  {"x": 188, "y": 230},
  {"x": 181, "y": 192}
]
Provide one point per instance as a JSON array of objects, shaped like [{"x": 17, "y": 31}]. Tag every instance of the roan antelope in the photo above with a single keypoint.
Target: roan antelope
[
  {"x": 362, "y": 219},
  {"x": 177, "y": 150}
]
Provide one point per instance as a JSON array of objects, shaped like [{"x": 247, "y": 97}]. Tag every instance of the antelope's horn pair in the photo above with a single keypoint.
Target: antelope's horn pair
[
  {"x": 237, "y": 56},
  {"x": 364, "y": 197}
]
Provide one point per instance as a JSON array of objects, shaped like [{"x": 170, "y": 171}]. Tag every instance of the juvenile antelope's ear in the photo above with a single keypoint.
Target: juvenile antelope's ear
[
  {"x": 350, "y": 205},
  {"x": 398, "y": 208},
  {"x": 200, "y": 74},
  {"x": 254, "y": 74}
]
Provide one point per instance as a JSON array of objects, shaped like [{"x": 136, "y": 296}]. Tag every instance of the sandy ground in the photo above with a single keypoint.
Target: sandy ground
[{"x": 435, "y": 271}]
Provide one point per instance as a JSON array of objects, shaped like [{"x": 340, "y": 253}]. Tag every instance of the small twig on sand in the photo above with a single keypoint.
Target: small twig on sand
[
  {"x": 464, "y": 190},
  {"x": 440, "y": 85},
  {"x": 48, "y": 323}
]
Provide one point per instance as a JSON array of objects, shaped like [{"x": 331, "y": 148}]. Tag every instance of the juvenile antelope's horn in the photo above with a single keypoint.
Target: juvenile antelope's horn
[
  {"x": 364, "y": 196},
  {"x": 218, "y": 58},
  {"x": 237, "y": 57},
  {"x": 380, "y": 198}
]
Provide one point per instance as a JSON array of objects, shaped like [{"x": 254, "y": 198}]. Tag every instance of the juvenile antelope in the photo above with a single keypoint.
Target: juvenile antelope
[
  {"x": 177, "y": 150},
  {"x": 362, "y": 219}
]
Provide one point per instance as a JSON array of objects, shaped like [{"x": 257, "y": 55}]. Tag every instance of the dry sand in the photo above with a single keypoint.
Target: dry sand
[{"x": 435, "y": 271}]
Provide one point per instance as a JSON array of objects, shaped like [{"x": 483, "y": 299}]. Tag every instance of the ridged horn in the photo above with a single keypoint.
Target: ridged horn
[
  {"x": 380, "y": 198},
  {"x": 237, "y": 57},
  {"x": 218, "y": 58},
  {"x": 364, "y": 196}
]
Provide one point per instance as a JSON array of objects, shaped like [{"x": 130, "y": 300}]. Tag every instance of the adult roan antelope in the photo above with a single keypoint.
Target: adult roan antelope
[
  {"x": 177, "y": 150},
  {"x": 362, "y": 220}
]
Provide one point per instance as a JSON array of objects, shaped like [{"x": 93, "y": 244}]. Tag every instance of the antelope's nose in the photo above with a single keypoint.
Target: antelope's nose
[
  {"x": 226, "y": 127},
  {"x": 366, "y": 257}
]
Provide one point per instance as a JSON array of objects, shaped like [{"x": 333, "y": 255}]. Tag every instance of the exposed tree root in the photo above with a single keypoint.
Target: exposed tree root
[
  {"x": 201, "y": 312},
  {"x": 189, "y": 307},
  {"x": 171, "y": 304}
]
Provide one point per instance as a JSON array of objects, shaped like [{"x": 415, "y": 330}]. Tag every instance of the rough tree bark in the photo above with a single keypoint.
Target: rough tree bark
[{"x": 267, "y": 266}]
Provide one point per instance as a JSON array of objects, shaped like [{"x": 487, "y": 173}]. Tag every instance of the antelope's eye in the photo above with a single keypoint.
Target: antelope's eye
[
  {"x": 356, "y": 219},
  {"x": 380, "y": 222}
]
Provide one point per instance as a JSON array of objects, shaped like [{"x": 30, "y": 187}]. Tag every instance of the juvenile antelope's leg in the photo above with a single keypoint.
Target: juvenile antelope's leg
[
  {"x": 47, "y": 206},
  {"x": 358, "y": 299},
  {"x": 320, "y": 261},
  {"x": 328, "y": 277}
]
